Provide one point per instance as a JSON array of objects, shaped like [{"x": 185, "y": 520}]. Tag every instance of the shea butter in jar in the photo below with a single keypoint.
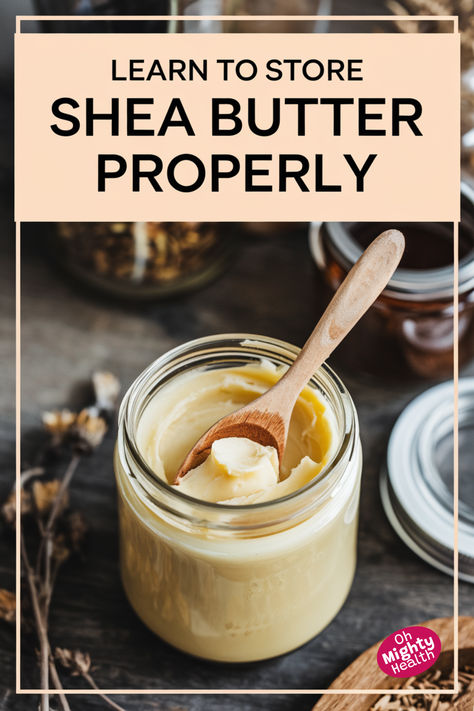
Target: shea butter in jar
[{"x": 236, "y": 574}]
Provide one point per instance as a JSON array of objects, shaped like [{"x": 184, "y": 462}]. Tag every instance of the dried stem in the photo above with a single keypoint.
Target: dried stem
[
  {"x": 28, "y": 474},
  {"x": 57, "y": 685},
  {"x": 47, "y": 531},
  {"x": 40, "y": 626},
  {"x": 83, "y": 432},
  {"x": 106, "y": 698},
  {"x": 45, "y": 650},
  {"x": 41, "y": 598},
  {"x": 66, "y": 480},
  {"x": 47, "y": 585}
]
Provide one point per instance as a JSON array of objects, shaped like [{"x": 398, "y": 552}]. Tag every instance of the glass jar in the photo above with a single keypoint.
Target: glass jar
[
  {"x": 237, "y": 583},
  {"x": 142, "y": 259},
  {"x": 408, "y": 332},
  {"x": 261, "y": 9}
]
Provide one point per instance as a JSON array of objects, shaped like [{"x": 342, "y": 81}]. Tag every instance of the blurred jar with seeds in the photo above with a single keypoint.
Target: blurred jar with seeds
[
  {"x": 298, "y": 15},
  {"x": 143, "y": 260}
]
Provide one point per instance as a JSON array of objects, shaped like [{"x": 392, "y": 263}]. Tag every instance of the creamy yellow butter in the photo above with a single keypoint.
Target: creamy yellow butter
[
  {"x": 237, "y": 470},
  {"x": 236, "y": 467},
  {"x": 223, "y": 583}
]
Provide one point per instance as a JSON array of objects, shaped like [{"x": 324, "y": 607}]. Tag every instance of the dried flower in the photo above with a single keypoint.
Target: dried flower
[
  {"x": 61, "y": 534},
  {"x": 58, "y": 424},
  {"x": 76, "y": 529},
  {"x": 106, "y": 389},
  {"x": 44, "y": 495},
  {"x": 89, "y": 429},
  {"x": 85, "y": 430},
  {"x": 9, "y": 507},
  {"x": 61, "y": 551},
  {"x": 7, "y": 605},
  {"x": 77, "y": 662}
]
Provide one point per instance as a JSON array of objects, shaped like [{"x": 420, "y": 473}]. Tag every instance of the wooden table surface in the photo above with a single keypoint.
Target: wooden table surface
[{"x": 66, "y": 334}]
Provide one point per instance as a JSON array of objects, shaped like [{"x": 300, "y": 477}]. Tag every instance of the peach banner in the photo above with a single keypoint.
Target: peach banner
[{"x": 290, "y": 167}]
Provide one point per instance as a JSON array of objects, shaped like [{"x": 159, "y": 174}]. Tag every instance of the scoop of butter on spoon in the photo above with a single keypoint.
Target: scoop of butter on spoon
[{"x": 266, "y": 420}]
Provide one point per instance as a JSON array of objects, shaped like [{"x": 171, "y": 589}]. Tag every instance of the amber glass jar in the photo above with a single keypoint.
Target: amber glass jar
[
  {"x": 143, "y": 259},
  {"x": 409, "y": 330}
]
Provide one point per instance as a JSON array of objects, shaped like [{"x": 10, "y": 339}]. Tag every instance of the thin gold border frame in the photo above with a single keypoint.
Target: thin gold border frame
[{"x": 339, "y": 692}]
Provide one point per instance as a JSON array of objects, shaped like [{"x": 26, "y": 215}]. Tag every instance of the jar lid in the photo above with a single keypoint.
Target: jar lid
[
  {"x": 427, "y": 284},
  {"x": 417, "y": 483}
]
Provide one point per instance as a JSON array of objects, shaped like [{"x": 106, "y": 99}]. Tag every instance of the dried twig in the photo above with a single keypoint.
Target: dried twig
[
  {"x": 57, "y": 685},
  {"x": 79, "y": 664},
  {"x": 106, "y": 698},
  {"x": 60, "y": 533},
  {"x": 40, "y": 625},
  {"x": 7, "y": 606}
]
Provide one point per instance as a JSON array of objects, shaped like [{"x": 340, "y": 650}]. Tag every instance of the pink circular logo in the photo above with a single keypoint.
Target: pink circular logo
[{"x": 409, "y": 651}]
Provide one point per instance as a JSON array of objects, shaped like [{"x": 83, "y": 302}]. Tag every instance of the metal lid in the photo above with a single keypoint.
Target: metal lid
[{"x": 417, "y": 484}]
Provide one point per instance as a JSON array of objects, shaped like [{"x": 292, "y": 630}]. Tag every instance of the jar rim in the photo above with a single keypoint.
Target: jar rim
[
  {"x": 142, "y": 389},
  {"x": 425, "y": 284}
]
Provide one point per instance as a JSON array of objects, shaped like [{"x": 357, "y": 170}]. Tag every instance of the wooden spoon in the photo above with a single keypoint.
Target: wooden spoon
[{"x": 266, "y": 420}]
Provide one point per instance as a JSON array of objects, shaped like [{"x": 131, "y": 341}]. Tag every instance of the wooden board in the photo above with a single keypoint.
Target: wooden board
[{"x": 364, "y": 672}]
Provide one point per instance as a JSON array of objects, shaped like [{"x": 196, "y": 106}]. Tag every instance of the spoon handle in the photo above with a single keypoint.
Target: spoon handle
[{"x": 363, "y": 284}]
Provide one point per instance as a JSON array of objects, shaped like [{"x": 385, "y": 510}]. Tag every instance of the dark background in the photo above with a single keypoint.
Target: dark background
[{"x": 68, "y": 332}]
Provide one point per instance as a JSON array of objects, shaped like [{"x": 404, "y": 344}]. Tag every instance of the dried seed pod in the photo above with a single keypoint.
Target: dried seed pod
[
  {"x": 61, "y": 550},
  {"x": 76, "y": 661},
  {"x": 44, "y": 496},
  {"x": 7, "y": 605},
  {"x": 106, "y": 390},
  {"x": 8, "y": 509},
  {"x": 89, "y": 429},
  {"x": 432, "y": 679},
  {"x": 58, "y": 424},
  {"x": 76, "y": 529}
]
